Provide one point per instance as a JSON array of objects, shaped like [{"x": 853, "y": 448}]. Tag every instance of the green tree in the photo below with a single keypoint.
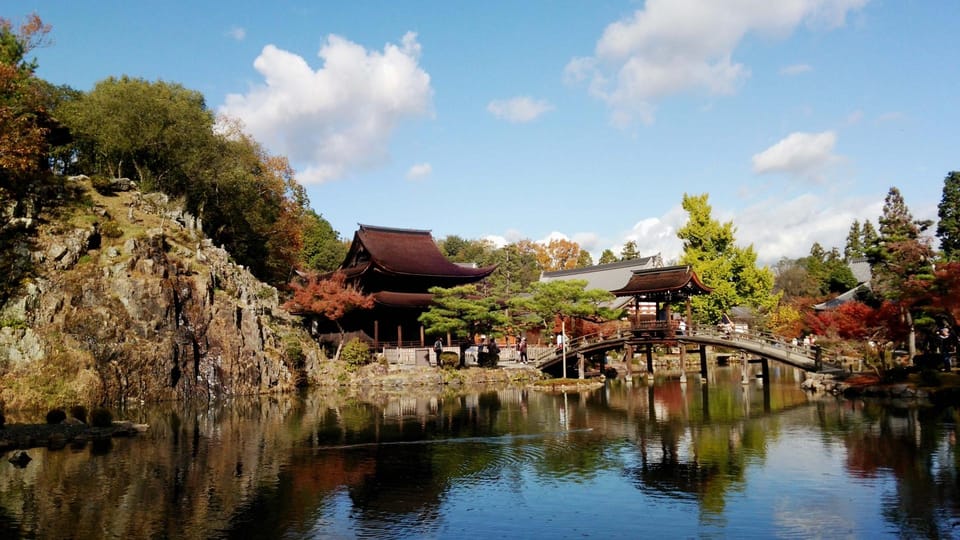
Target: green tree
[
  {"x": 323, "y": 248},
  {"x": 854, "y": 245},
  {"x": 731, "y": 271},
  {"x": 156, "y": 132},
  {"x": 463, "y": 313},
  {"x": 899, "y": 258},
  {"x": 629, "y": 251},
  {"x": 549, "y": 300},
  {"x": 517, "y": 268},
  {"x": 869, "y": 236},
  {"x": 607, "y": 257},
  {"x": 584, "y": 260},
  {"x": 561, "y": 298},
  {"x": 948, "y": 212}
]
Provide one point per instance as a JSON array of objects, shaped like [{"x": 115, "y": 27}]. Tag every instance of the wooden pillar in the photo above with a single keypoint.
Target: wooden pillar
[
  {"x": 580, "y": 364},
  {"x": 649, "y": 360},
  {"x": 683, "y": 361},
  {"x": 448, "y": 339},
  {"x": 376, "y": 334},
  {"x": 628, "y": 356},
  {"x": 399, "y": 336},
  {"x": 703, "y": 362},
  {"x": 422, "y": 342}
]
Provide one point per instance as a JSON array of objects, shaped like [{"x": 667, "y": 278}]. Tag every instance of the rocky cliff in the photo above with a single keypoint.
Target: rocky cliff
[{"x": 124, "y": 298}]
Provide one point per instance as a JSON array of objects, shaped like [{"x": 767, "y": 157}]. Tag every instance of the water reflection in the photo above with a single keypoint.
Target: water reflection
[{"x": 743, "y": 456}]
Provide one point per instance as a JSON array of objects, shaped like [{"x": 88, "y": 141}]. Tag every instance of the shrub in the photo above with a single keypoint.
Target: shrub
[
  {"x": 101, "y": 417},
  {"x": 56, "y": 416},
  {"x": 79, "y": 412},
  {"x": 102, "y": 184},
  {"x": 487, "y": 359},
  {"x": 449, "y": 359},
  {"x": 111, "y": 229},
  {"x": 356, "y": 353}
]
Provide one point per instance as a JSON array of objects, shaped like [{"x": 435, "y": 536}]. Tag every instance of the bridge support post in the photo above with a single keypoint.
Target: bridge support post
[
  {"x": 628, "y": 356},
  {"x": 580, "y": 364},
  {"x": 683, "y": 361},
  {"x": 649, "y": 361},
  {"x": 703, "y": 362}
]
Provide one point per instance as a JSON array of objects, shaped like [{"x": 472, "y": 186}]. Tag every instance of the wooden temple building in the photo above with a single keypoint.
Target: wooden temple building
[
  {"x": 398, "y": 267},
  {"x": 663, "y": 287}
]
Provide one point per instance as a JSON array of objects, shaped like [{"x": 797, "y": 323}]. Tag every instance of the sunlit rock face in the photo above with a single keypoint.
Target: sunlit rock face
[{"x": 155, "y": 312}]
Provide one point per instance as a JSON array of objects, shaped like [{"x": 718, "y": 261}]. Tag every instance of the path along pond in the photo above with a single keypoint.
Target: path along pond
[{"x": 634, "y": 459}]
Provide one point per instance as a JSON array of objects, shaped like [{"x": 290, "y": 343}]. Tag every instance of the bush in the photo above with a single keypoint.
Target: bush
[
  {"x": 487, "y": 359},
  {"x": 111, "y": 229},
  {"x": 102, "y": 184},
  {"x": 56, "y": 416},
  {"x": 449, "y": 359},
  {"x": 356, "y": 353},
  {"x": 101, "y": 417},
  {"x": 79, "y": 412}
]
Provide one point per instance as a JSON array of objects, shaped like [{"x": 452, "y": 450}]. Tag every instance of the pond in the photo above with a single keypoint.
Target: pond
[{"x": 661, "y": 459}]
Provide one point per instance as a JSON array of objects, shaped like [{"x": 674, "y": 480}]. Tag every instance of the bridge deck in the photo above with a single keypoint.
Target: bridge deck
[{"x": 760, "y": 345}]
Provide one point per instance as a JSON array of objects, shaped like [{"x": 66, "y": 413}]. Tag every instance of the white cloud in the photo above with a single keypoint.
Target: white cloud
[
  {"x": 495, "y": 240},
  {"x": 518, "y": 110},
  {"x": 420, "y": 170},
  {"x": 803, "y": 154},
  {"x": 340, "y": 117},
  {"x": 238, "y": 33},
  {"x": 780, "y": 228},
  {"x": 673, "y": 46},
  {"x": 795, "y": 69}
]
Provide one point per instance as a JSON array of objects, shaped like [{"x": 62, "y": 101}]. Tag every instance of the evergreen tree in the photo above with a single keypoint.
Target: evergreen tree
[
  {"x": 948, "y": 212},
  {"x": 732, "y": 272},
  {"x": 869, "y": 237},
  {"x": 584, "y": 259},
  {"x": 900, "y": 258},
  {"x": 854, "y": 247},
  {"x": 607, "y": 257},
  {"x": 629, "y": 251}
]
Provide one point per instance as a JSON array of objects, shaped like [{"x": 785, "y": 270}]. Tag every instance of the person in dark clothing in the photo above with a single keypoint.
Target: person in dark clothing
[
  {"x": 945, "y": 344},
  {"x": 522, "y": 347},
  {"x": 438, "y": 348}
]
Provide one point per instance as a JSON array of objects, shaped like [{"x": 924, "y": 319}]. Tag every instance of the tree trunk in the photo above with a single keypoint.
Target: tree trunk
[
  {"x": 911, "y": 336},
  {"x": 343, "y": 337}
]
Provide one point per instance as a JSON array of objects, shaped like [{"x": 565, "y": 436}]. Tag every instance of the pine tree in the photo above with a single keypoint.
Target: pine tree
[
  {"x": 900, "y": 257},
  {"x": 732, "y": 272},
  {"x": 854, "y": 246},
  {"x": 629, "y": 251},
  {"x": 607, "y": 257},
  {"x": 948, "y": 228}
]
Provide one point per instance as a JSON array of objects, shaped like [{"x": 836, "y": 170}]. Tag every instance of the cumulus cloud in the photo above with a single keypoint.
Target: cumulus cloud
[
  {"x": 801, "y": 154},
  {"x": 420, "y": 170},
  {"x": 238, "y": 33},
  {"x": 780, "y": 228},
  {"x": 672, "y": 46},
  {"x": 795, "y": 69},
  {"x": 519, "y": 110},
  {"x": 338, "y": 118}
]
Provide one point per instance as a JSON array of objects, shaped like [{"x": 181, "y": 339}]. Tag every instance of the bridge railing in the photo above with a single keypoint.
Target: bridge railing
[{"x": 822, "y": 356}]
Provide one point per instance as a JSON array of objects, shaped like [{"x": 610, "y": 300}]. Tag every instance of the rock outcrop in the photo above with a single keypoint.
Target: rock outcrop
[{"x": 128, "y": 300}]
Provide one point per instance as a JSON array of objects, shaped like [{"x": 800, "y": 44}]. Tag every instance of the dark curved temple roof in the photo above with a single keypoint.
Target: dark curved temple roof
[
  {"x": 403, "y": 260},
  {"x": 668, "y": 283}
]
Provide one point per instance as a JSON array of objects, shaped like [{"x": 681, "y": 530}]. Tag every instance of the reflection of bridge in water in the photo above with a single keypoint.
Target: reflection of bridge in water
[{"x": 647, "y": 334}]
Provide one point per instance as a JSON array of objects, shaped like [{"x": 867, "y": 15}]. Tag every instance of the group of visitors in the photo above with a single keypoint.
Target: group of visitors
[{"x": 484, "y": 347}]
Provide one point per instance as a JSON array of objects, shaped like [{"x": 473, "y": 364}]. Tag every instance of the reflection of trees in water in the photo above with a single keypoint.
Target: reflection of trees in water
[{"x": 918, "y": 448}]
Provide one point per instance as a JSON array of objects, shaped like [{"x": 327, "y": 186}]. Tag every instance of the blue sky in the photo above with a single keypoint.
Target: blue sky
[{"x": 583, "y": 120}]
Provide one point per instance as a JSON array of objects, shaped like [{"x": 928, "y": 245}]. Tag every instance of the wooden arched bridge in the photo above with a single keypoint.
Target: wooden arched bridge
[{"x": 763, "y": 345}]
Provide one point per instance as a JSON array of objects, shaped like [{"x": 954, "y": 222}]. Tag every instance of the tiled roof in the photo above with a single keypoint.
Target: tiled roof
[
  {"x": 404, "y": 252},
  {"x": 658, "y": 282}
]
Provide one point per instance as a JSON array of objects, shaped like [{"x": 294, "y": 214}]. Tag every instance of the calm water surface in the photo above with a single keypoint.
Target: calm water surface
[{"x": 661, "y": 460}]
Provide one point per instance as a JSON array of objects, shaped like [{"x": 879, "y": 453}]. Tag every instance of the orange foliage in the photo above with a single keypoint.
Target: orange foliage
[
  {"x": 559, "y": 254},
  {"x": 331, "y": 298}
]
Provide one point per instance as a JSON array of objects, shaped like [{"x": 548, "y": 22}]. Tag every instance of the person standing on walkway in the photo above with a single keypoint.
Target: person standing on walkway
[
  {"x": 522, "y": 347},
  {"x": 438, "y": 348}
]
